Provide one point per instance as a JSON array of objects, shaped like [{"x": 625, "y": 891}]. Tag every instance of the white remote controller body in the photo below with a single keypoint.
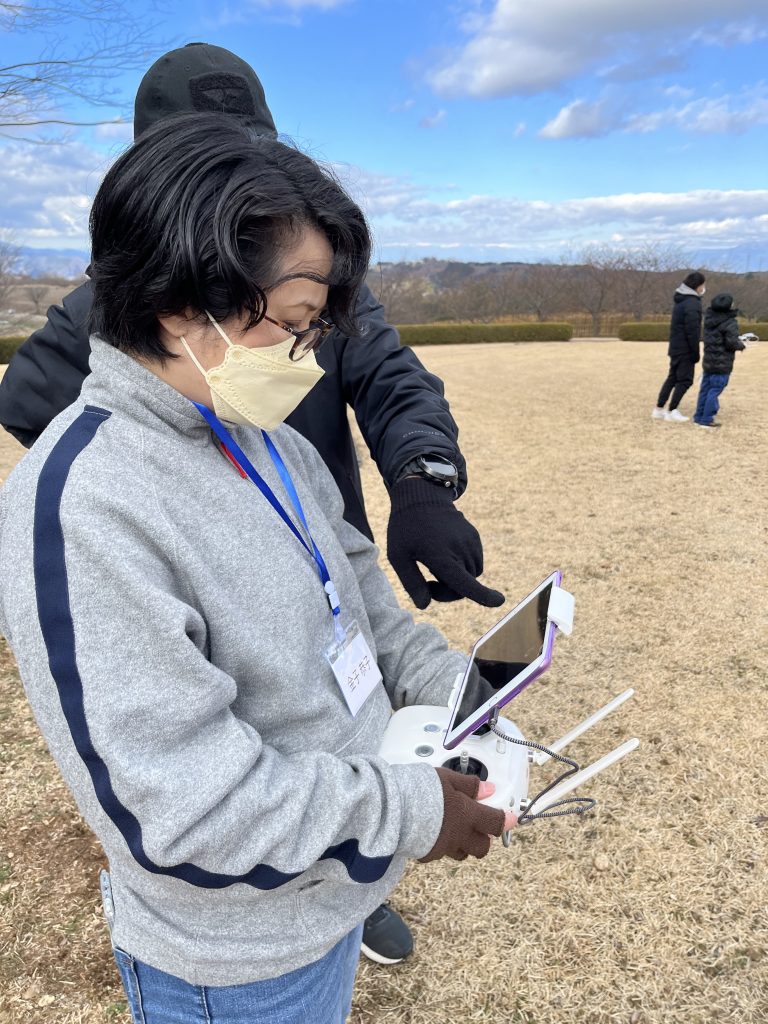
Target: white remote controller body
[{"x": 415, "y": 735}]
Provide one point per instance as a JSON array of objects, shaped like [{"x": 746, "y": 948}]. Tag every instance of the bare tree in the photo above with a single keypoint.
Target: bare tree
[
  {"x": 505, "y": 294},
  {"x": 401, "y": 290},
  {"x": 39, "y": 90},
  {"x": 9, "y": 258},
  {"x": 38, "y": 295},
  {"x": 545, "y": 289},
  {"x": 752, "y": 294},
  {"x": 595, "y": 281},
  {"x": 474, "y": 301},
  {"x": 641, "y": 284}
]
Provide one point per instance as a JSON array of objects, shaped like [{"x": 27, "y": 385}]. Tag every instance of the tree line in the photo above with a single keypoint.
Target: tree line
[
  {"x": 598, "y": 288},
  {"x": 599, "y": 282}
]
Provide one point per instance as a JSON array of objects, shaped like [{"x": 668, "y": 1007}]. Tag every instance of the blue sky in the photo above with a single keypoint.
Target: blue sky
[{"x": 480, "y": 129}]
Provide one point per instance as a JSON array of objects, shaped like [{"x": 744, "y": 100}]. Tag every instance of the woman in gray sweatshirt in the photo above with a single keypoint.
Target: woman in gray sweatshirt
[{"x": 176, "y": 583}]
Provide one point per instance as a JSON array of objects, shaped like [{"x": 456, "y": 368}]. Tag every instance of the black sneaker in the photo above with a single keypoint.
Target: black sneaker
[{"x": 387, "y": 938}]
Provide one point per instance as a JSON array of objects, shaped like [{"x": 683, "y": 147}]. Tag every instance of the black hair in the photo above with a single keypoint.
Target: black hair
[
  {"x": 197, "y": 214},
  {"x": 695, "y": 279}
]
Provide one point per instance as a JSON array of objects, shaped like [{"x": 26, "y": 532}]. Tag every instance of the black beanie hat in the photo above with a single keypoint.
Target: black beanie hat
[
  {"x": 694, "y": 280},
  {"x": 723, "y": 303},
  {"x": 201, "y": 77}
]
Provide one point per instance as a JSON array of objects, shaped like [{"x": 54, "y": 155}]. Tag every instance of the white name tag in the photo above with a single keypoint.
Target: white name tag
[{"x": 355, "y": 668}]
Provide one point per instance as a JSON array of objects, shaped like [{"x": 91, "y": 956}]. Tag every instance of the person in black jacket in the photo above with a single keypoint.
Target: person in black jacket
[
  {"x": 684, "y": 338},
  {"x": 721, "y": 343},
  {"x": 400, "y": 407}
]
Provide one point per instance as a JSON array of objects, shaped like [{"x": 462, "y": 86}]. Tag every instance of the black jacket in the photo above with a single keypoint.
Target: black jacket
[
  {"x": 685, "y": 329},
  {"x": 400, "y": 407},
  {"x": 721, "y": 341}
]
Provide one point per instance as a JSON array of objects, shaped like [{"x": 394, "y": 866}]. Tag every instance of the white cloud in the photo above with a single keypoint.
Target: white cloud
[
  {"x": 640, "y": 70},
  {"x": 703, "y": 115},
  {"x": 119, "y": 131},
  {"x": 708, "y": 116},
  {"x": 520, "y": 129},
  {"x": 644, "y": 124},
  {"x": 405, "y": 220},
  {"x": 678, "y": 92},
  {"x": 581, "y": 120},
  {"x": 733, "y": 34},
  {"x": 520, "y": 48},
  {"x": 48, "y": 192},
  {"x": 434, "y": 120},
  {"x": 381, "y": 195},
  {"x": 719, "y": 115}
]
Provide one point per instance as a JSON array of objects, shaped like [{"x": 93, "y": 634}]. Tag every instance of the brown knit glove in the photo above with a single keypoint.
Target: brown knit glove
[{"x": 467, "y": 825}]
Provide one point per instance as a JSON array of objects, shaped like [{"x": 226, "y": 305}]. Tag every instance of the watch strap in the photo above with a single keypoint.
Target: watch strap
[{"x": 414, "y": 468}]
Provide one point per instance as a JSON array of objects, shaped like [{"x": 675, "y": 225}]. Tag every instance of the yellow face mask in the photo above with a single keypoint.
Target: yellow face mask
[{"x": 257, "y": 387}]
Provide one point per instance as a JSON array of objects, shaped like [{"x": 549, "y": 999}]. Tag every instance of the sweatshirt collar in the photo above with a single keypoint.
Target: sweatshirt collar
[
  {"x": 685, "y": 290},
  {"x": 119, "y": 382}
]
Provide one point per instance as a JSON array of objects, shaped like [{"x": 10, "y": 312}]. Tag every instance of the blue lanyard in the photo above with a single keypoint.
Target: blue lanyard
[{"x": 226, "y": 439}]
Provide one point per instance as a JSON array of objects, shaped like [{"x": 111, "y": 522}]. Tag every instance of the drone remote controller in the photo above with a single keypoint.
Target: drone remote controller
[{"x": 466, "y": 738}]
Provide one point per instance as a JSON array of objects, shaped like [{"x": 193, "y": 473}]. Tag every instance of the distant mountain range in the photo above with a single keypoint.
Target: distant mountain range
[{"x": 69, "y": 263}]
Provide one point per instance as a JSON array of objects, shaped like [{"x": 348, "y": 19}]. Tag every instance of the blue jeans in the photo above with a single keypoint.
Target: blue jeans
[
  {"x": 320, "y": 992},
  {"x": 712, "y": 386}
]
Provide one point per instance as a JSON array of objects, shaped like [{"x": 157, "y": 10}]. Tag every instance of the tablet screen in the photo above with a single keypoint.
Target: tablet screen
[{"x": 503, "y": 654}]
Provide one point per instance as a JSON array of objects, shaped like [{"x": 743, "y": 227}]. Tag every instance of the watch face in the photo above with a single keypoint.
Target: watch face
[{"x": 437, "y": 468}]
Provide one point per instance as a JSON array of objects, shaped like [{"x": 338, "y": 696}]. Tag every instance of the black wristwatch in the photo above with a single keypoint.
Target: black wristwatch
[{"x": 435, "y": 468}]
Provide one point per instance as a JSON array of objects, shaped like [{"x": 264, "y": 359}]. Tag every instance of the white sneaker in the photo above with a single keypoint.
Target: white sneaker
[
  {"x": 658, "y": 414},
  {"x": 675, "y": 417}
]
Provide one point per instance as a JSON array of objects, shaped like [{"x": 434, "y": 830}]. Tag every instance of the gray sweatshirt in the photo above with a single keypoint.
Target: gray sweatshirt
[{"x": 170, "y": 632}]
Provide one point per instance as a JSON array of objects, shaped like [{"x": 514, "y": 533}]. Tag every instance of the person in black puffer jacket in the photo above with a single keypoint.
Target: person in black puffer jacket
[
  {"x": 721, "y": 343},
  {"x": 684, "y": 336}
]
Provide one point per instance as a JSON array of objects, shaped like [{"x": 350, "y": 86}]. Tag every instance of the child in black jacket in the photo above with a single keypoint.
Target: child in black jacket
[{"x": 721, "y": 343}]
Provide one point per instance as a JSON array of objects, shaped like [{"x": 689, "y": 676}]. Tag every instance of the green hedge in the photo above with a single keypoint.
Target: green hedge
[
  {"x": 660, "y": 331},
  {"x": 471, "y": 334},
  {"x": 761, "y": 330},
  {"x": 7, "y": 347},
  {"x": 431, "y": 334},
  {"x": 644, "y": 331}
]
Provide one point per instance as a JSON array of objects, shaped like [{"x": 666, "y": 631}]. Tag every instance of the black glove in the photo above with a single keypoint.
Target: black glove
[{"x": 425, "y": 526}]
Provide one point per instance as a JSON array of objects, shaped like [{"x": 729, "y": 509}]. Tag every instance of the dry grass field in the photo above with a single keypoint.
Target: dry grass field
[{"x": 653, "y": 908}]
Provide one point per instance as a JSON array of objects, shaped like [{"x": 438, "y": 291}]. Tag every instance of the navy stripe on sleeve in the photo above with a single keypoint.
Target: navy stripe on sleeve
[{"x": 56, "y": 623}]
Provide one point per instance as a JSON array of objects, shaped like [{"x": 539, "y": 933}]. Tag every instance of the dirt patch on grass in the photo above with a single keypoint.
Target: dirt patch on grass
[{"x": 651, "y": 910}]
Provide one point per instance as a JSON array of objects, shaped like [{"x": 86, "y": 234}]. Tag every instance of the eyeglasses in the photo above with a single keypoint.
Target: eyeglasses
[{"x": 306, "y": 341}]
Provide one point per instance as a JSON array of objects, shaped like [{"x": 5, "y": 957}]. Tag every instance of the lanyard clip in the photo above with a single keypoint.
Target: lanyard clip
[
  {"x": 333, "y": 601},
  {"x": 333, "y": 597}
]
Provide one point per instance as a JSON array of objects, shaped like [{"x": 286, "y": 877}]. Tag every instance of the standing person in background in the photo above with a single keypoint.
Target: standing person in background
[
  {"x": 721, "y": 343},
  {"x": 400, "y": 407},
  {"x": 684, "y": 337}
]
